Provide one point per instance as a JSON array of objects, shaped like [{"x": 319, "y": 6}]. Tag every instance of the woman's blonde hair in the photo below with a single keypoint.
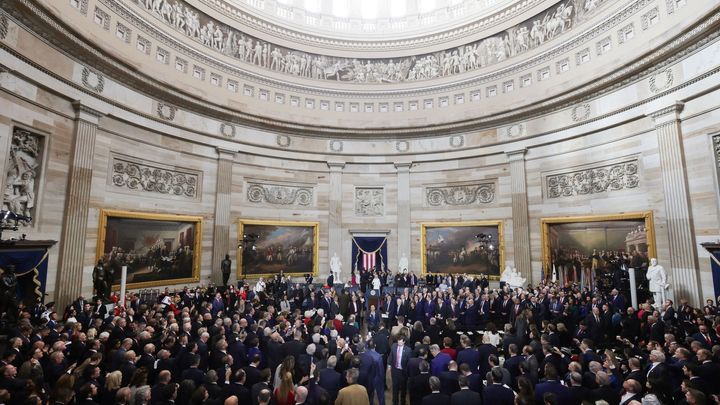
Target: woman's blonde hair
[
  {"x": 286, "y": 386},
  {"x": 113, "y": 380}
]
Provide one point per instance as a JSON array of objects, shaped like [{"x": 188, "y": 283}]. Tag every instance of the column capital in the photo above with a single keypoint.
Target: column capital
[
  {"x": 225, "y": 154},
  {"x": 515, "y": 155},
  {"x": 336, "y": 166},
  {"x": 403, "y": 166},
  {"x": 86, "y": 113},
  {"x": 668, "y": 113}
]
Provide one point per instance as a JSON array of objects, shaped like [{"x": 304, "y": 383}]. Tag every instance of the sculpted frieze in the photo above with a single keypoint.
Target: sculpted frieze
[
  {"x": 137, "y": 176},
  {"x": 279, "y": 194},
  {"x": 466, "y": 194},
  {"x": 532, "y": 33},
  {"x": 593, "y": 180}
]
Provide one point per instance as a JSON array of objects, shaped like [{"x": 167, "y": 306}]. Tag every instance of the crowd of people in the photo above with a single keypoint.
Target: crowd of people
[{"x": 443, "y": 340}]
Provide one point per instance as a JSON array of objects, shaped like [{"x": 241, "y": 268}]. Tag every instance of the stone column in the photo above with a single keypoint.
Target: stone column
[
  {"x": 69, "y": 280},
  {"x": 403, "y": 212},
  {"x": 683, "y": 256},
  {"x": 335, "y": 219},
  {"x": 221, "y": 230},
  {"x": 520, "y": 220}
]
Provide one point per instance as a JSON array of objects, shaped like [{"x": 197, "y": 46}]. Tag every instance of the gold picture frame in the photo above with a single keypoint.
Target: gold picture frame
[
  {"x": 137, "y": 219},
  {"x": 645, "y": 217},
  {"x": 265, "y": 227},
  {"x": 472, "y": 227}
]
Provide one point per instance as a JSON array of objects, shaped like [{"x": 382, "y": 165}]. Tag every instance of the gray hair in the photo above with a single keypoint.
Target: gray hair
[
  {"x": 352, "y": 375},
  {"x": 140, "y": 394},
  {"x": 331, "y": 362},
  {"x": 310, "y": 349}
]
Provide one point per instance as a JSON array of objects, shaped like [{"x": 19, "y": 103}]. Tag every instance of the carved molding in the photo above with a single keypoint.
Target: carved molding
[
  {"x": 93, "y": 80},
  {"x": 593, "y": 180},
  {"x": 460, "y": 195},
  {"x": 369, "y": 201},
  {"x": 716, "y": 153},
  {"x": 4, "y": 25},
  {"x": 23, "y": 174},
  {"x": 259, "y": 193},
  {"x": 133, "y": 175}
]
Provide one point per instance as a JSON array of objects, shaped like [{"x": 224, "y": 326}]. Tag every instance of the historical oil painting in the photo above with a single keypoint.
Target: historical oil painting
[
  {"x": 590, "y": 249},
  {"x": 267, "y": 248},
  {"x": 158, "y": 249},
  {"x": 465, "y": 247}
]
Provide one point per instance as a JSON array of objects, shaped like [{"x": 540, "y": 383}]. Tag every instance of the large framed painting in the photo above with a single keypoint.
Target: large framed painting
[
  {"x": 463, "y": 247},
  {"x": 158, "y": 249},
  {"x": 588, "y": 249},
  {"x": 268, "y": 247}
]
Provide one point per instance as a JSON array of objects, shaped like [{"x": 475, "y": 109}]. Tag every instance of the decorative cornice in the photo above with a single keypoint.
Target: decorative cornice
[
  {"x": 669, "y": 113},
  {"x": 698, "y": 36}
]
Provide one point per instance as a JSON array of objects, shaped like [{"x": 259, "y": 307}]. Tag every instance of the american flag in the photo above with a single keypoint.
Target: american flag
[{"x": 368, "y": 261}]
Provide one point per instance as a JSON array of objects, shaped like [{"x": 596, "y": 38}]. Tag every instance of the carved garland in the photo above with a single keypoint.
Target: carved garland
[
  {"x": 137, "y": 176},
  {"x": 166, "y": 111},
  {"x": 460, "y": 195},
  {"x": 279, "y": 195},
  {"x": 3, "y": 26},
  {"x": 93, "y": 80},
  {"x": 594, "y": 180}
]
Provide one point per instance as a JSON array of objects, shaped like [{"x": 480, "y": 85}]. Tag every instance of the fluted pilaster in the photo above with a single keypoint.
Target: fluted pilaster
[
  {"x": 521, "y": 222},
  {"x": 335, "y": 216},
  {"x": 683, "y": 257},
  {"x": 403, "y": 209},
  {"x": 221, "y": 230},
  {"x": 74, "y": 230}
]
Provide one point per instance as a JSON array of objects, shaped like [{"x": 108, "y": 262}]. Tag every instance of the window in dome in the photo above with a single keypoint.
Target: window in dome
[
  {"x": 369, "y": 107},
  {"x": 340, "y": 8},
  {"x": 309, "y": 103},
  {"x": 248, "y": 91},
  {"x": 162, "y": 56},
  {"x": 413, "y": 106},
  {"x": 324, "y": 105},
  {"x": 544, "y": 74},
  {"x": 428, "y": 104},
  {"x": 459, "y": 99},
  {"x": 369, "y": 9},
  {"x": 215, "y": 80},
  {"x": 383, "y": 107},
  {"x": 339, "y": 106},
  {"x": 444, "y": 102},
  {"x": 397, "y": 8},
  {"x": 426, "y": 6},
  {"x": 294, "y": 101},
  {"x": 264, "y": 94},
  {"x": 312, "y": 6},
  {"x": 399, "y": 107},
  {"x": 526, "y": 81},
  {"x": 232, "y": 85},
  {"x": 279, "y": 98},
  {"x": 563, "y": 65},
  {"x": 475, "y": 95},
  {"x": 492, "y": 91},
  {"x": 354, "y": 107}
]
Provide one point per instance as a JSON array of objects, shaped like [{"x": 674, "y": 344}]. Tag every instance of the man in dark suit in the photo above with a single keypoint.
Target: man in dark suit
[
  {"x": 252, "y": 371},
  {"x": 465, "y": 396},
  {"x": 435, "y": 397},
  {"x": 604, "y": 392},
  {"x": 236, "y": 388},
  {"x": 552, "y": 384},
  {"x": 449, "y": 379},
  {"x": 382, "y": 340},
  {"x": 264, "y": 384},
  {"x": 499, "y": 394},
  {"x": 468, "y": 355},
  {"x": 330, "y": 379},
  {"x": 419, "y": 385},
  {"x": 397, "y": 363},
  {"x": 194, "y": 373},
  {"x": 632, "y": 392},
  {"x": 128, "y": 368},
  {"x": 295, "y": 347},
  {"x": 157, "y": 391},
  {"x": 706, "y": 337},
  {"x": 636, "y": 373},
  {"x": 512, "y": 363},
  {"x": 367, "y": 369}
]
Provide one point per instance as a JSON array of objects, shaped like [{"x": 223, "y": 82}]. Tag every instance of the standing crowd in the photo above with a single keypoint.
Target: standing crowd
[{"x": 446, "y": 340}]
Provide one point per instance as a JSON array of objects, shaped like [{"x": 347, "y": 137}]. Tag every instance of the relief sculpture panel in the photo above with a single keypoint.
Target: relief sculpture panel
[
  {"x": 467, "y": 194},
  {"x": 593, "y": 180},
  {"x": 279, "y": 195},
  {"x": 559, "y": 18},
  {"x": 369, "y": 201},
  {"x": 133, "y": 175},
  {"x": 22, "y": 178}
]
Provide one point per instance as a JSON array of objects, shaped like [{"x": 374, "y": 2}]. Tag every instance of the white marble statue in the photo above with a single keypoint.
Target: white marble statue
[
  {"x": 403, "y": 264},
  {"x": 658, "y": 281},
  {"x": 512, "y": 278},
  {"x": 335, "y": 268}
]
